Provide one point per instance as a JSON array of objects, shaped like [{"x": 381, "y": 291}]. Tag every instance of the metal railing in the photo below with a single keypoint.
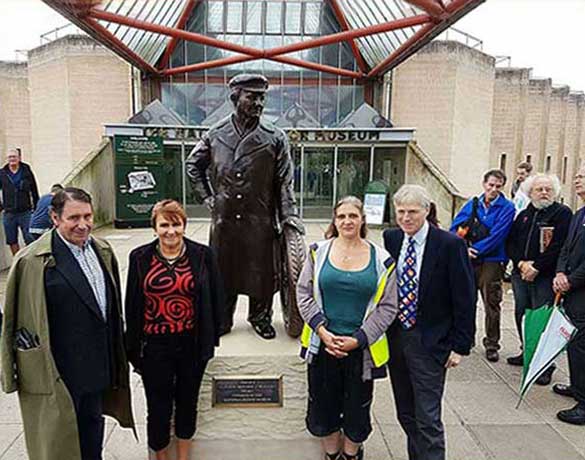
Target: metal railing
[
  {"x": 60, "y": 32},
  {"x": 460, "y": 36}
]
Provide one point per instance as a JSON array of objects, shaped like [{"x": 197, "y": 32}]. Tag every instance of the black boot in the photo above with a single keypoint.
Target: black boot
[{"x": 546, "y": 376}]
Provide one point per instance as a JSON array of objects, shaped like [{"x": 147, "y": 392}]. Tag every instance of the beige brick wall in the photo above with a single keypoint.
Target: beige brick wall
[
  {"x": 509, "y": 108},
  {"x": 537, "y": 109},
  {"x": 76, "y": 86},
  {"x": 446, "y": 92},
  {"x": 574, "y": 115},
  {"x": 555, "y": 132},
  {"x": 15, "y": 129}
]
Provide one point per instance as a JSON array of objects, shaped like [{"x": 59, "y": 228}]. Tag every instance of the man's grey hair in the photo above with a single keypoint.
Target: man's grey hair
[
  {"x": 13, "y": 150},
  {"x": 412, "y": 194},
  {"x": 528, "y": 184}
]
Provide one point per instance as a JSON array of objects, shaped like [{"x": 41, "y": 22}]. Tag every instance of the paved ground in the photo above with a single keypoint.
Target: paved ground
[{"x": 480, "y": 413}]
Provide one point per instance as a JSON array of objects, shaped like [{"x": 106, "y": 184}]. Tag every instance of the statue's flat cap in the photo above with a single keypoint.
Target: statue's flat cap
[{"x": 249, "y": 82}]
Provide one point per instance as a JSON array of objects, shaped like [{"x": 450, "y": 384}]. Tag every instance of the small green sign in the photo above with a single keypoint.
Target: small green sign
[
  {"x": 138, "y": 148},
  {"x": 140, "y": 178}
]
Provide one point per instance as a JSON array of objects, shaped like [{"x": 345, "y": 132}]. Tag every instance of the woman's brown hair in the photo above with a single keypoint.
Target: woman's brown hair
[
  {"x": 170, "y": 210},
  {"x": 332, "y": 232}
]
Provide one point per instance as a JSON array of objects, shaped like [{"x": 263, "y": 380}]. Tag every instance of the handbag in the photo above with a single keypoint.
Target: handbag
[{"x": 473, "y": 230}]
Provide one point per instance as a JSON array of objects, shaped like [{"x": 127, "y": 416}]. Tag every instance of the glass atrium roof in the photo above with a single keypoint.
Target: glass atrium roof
[{"x": 381, "y": 33}]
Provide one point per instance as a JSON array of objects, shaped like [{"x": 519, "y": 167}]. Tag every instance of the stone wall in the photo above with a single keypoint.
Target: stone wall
[
  {"x": 446, "y": 92},
  {"x": 422, "y": 170},
  {"x": 95, "y": 174},
  {"x": 76, "y": 86},
  {"x": 508, "y": 114},
  {"x": 15, "y": 129}
]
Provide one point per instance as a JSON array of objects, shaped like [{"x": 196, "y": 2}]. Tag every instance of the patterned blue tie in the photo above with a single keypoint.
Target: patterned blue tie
[{"x": 407, "y": 288}]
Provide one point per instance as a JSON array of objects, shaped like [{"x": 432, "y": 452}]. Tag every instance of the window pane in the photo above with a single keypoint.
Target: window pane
[
  {"x": 312, "y": 14},
  {"x": 273, "y": 18},
  {"x": 215, "y": 17},
  {"x": 234, "y": 16},
  {"x": 254, "y": 18},
  {"x": 293, "y": 18}
]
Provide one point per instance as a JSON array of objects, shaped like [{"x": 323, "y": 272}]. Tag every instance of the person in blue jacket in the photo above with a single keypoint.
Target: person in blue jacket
[{"x": 495, "y": 214}]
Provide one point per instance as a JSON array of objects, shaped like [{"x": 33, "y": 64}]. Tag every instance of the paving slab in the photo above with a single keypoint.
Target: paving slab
[
  {"x": 460, "y": 444},
  {"x": 9, "y": 434},
  {"x": 574, "y": 434},
  {"x": 488, "y": 403},
  {"x": 525, "y": 442}
]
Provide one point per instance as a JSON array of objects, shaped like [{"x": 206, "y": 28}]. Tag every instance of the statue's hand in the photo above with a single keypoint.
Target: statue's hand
[
  {"x": 209, "y": 203},
  {"x": 294, "y": 222}
]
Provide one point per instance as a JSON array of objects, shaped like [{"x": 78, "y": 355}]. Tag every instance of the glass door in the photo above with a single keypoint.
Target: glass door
[
  {"x": 353, "y": 171},
  {"x": 317, "y": 187}
]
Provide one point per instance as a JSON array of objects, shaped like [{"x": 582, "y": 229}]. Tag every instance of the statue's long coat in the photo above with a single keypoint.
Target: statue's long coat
[{"x": 250, "y": 176}]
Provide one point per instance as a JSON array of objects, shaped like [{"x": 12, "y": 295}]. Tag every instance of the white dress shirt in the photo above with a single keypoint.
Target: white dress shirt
[{"x": 420, "y": 241}]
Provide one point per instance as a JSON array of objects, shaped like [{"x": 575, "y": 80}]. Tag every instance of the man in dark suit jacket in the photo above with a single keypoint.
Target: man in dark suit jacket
[
  {"x": 570, "y": 281},
  {"x": 436, "y": 322}
]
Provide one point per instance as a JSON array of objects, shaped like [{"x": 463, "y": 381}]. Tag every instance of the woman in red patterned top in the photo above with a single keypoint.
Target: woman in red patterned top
[{"x": 173, "y": 305}]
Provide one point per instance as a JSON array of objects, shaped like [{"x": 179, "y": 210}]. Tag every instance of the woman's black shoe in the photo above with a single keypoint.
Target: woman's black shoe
[{"x": 264, "y": 329}]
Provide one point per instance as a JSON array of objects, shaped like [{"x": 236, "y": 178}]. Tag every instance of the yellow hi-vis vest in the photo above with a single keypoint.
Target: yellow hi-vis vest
[{"x": 379, "y": 350}]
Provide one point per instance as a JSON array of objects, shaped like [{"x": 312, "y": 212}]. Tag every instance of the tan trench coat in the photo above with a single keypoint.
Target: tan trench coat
[{"x": 50, "y": 424}]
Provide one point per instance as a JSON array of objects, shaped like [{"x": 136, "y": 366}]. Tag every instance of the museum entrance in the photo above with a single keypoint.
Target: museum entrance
[{"x": 328, "y": 163}]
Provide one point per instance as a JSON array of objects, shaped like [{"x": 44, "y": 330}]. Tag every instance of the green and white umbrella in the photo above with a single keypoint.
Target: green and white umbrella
[{"x": 546, "y": 332}]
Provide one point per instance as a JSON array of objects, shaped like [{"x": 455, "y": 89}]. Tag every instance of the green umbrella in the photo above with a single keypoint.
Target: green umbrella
[{"x": 546, "y": 333}]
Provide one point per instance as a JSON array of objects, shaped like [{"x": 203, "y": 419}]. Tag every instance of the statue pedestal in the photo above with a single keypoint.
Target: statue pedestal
[{"x": 255, "y": 432}]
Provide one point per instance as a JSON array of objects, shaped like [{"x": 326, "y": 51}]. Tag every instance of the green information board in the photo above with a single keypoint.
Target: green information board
[{"x": 140, "y": 178}]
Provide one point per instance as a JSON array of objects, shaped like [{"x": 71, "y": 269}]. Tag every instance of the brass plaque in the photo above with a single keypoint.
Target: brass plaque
[{"x": 247, "y": 391}]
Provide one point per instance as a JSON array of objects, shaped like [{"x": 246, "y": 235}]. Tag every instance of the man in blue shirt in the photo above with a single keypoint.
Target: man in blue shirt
[
  {"x": 40, "y": 221},
  {"x": 495, "y": 215},
  {"x": 19, "y": 197}
]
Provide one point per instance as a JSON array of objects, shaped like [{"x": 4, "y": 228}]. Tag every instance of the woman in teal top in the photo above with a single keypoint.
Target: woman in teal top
[{"x": 347, "y": 297}]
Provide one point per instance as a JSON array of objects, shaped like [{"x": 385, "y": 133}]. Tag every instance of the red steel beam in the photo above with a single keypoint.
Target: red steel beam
[
  {"x": 431, "y": 7},
  {"x": 163, "y": 30},
  {"x": 189, "y": 7},
  {"x": 111, "y": 38},
  {"x": 453, "y": 9},
  {"x": 282, "y": 59},
  {"x": 263, "y": 54},
  {"x": 419, "y": 35},
  {"x": 345, "y": 26}
]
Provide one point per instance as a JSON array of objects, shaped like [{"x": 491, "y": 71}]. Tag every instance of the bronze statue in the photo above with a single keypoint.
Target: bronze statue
[{"x": 242, "y": 170}]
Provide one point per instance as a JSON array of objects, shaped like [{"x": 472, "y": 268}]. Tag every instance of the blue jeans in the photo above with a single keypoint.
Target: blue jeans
[
  {"x": 12, "y": 222},
  {"x": 530, "y": 295}
]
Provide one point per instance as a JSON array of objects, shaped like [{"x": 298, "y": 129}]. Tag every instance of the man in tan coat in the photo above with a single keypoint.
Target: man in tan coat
[{"x": 61, "y": 346}]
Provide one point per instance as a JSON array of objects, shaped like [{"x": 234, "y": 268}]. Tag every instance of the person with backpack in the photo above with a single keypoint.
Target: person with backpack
[{"x": 484, "y": 222}]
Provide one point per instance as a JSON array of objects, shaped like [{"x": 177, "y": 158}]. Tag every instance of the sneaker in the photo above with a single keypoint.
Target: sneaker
[
  {"x": 516, "y": 360},
  {"x": 563, "y": 390},
  {"x": 546, "y": 376},
  {"x": 492, "y": 355}
]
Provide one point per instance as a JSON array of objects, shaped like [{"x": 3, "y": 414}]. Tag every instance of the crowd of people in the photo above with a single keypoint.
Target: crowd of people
[{"x": 406, "y": 308}]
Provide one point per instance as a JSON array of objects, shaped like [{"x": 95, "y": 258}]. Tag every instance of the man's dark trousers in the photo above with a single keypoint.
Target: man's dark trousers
[
  {"x": 90, "y": 424},
  {"x": 529, "y": 295},
  {"x": 418, "y": 380}
]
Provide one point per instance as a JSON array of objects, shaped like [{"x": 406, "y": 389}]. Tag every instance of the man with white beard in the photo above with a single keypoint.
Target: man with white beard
[{"x": 534, "y": 244}]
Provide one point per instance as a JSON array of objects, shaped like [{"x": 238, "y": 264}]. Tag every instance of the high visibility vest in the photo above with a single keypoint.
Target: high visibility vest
[{"x": 379, "y": 350}]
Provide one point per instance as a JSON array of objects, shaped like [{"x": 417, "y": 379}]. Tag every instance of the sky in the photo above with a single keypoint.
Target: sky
[{"x": 545, "y": 35}]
